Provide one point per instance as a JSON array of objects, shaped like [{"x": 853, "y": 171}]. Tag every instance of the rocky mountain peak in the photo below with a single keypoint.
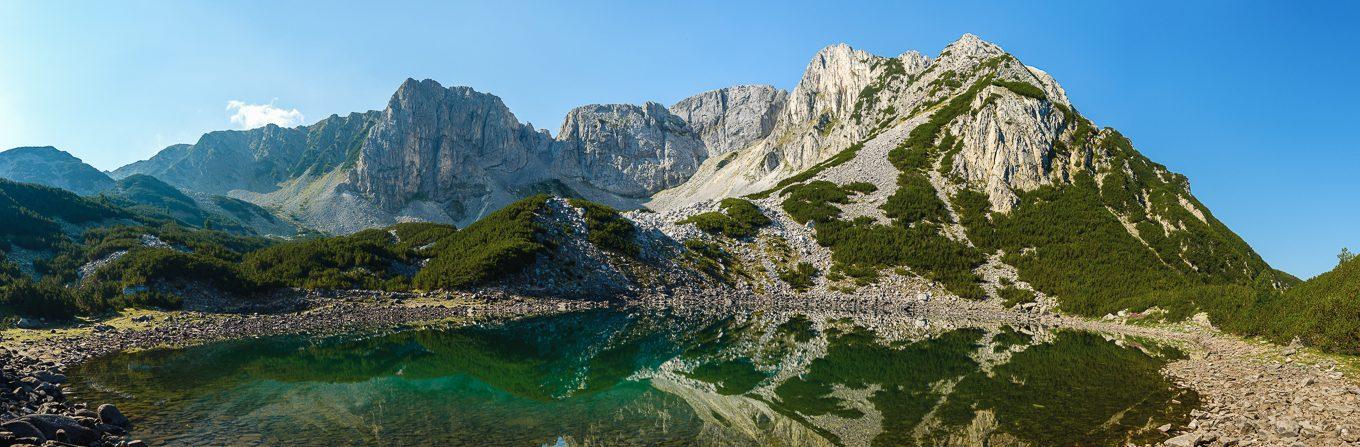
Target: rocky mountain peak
[
  {"x": 972, "y": 46},
  {"x": 913, "y": 61},
  {"x": 443, "y": 145},
  {"x": 831, "y": 83}
]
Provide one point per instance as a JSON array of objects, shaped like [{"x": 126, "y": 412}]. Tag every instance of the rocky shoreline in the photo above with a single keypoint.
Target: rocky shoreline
[
  {"x": 1254, "y": 394},
  {"x": 36, "y": 411}
]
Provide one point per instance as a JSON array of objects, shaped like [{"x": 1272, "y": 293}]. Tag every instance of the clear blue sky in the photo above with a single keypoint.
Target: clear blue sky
[{"x": 1256, "y": 102}]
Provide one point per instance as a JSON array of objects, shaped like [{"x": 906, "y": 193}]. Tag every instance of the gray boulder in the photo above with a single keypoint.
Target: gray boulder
[
  {"x": 48, "y": 424},
  {"x": 23, "y": 429},
  {"x": 109, "y": 414}
]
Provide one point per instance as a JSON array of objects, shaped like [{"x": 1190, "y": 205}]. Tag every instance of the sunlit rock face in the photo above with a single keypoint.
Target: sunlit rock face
[
  {"x": 445, "y": 145},
  {"x": 627, "y": 150},
  {"x": 732, "y": 118}
]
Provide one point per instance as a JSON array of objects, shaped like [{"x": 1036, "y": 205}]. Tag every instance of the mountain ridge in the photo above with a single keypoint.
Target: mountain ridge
[
  {"x": 968, "y": 174},
  {"x": 47, "y": 165}
]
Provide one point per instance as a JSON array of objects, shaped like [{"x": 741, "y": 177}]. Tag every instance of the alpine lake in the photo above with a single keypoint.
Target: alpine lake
[{"x": 651, "y": 377}]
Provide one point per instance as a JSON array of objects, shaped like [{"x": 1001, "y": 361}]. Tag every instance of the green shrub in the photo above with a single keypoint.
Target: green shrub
[
  {"x": 709, "y": 258},
  {"x": 413, "y": 235},
  {"x": 31, "y": 214},
  {"x": 860, "y": 187},
  {"x": 607, "y": 228},
  {"x": 148, "y": 266},
  {"x": 43, "y": 299},
  {"x": 739, "y": 219},
  {"x": 915, "y": 201},
  {"x": 807, "y": 174},
  {"x": 800, "y": 277},
  {"x": 500, "y": 244},
  {"x": 1322, "y": 312},
  {"x": 361, "y": 260},
  {"x": 813, "y": 201},
  {"x": 1011, "y": 296},
  {"x": 921, "y": 247},
  {"x": 1023, "y": 89}
]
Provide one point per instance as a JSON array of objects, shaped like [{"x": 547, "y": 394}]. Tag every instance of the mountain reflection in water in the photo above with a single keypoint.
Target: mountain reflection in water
[{"x": 611, "y": 377}]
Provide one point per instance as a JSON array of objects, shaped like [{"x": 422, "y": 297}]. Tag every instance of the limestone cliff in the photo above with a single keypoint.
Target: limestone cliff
[
  {"x": 732, "y": 118},
  {"x": 456, "y": 147},
  {"x": 626, "y": 150}
]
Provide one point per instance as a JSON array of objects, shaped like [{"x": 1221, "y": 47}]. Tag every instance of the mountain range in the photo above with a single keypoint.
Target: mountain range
[{"x": 969, "y": 170}]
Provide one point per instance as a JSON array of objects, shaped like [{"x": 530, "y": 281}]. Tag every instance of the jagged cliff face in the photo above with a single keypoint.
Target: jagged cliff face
[
  {"x": 52, "y": 167},
  {"x": 451, "y": 146},
  {"x": 820, "y": 117},
  {"x": 847, "y": 96},
  {"x": 732, "y": 118},
  {"x": 439, "y": 154},
  {"x": 627, "y": 150}
]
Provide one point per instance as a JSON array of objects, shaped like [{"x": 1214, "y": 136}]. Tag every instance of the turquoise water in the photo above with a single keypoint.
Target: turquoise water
[{"x": 649, "y": 378}]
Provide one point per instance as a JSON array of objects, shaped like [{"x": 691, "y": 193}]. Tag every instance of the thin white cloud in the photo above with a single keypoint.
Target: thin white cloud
[{"x": 250, "y": 116}]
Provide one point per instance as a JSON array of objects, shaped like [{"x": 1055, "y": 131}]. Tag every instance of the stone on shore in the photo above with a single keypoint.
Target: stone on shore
[
  {"x": 1185, "y": 440},
  {"x": 109, "y": 414},
  {"x": 23, "y": 429}
]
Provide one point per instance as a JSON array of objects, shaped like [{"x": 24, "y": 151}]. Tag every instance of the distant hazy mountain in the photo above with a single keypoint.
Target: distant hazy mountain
[
  {"x": 52, "y": 167},
  {"x": 149, "y": 196}
]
